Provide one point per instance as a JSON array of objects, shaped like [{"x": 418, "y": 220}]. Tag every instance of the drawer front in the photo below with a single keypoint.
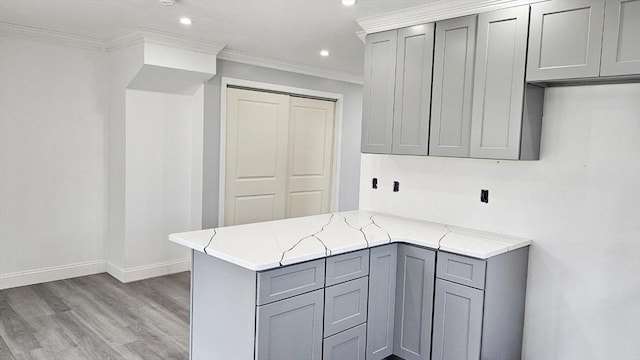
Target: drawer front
[
  {"x": 347, "y": 345},
  {"x": 345, "y": 267},
  {"x": 461, "y": 269},
  {"x": 281, "y": 283},
  {"x": 345, "y": 305}
]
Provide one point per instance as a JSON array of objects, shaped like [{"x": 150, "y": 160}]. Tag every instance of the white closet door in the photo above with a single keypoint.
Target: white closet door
[
  {"x": 256, "y": 156},
  {"x": 311, "y": 128}
]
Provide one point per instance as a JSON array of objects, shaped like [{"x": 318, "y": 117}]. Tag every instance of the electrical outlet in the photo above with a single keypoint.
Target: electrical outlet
[
  {"x": 396, "y": 186},
  {"x": 374, "y": 183},
  {"x": 484, "y": 196}
]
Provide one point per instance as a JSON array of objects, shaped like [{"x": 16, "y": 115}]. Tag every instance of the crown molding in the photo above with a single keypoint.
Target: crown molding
[
  {"x": 51, "y": 37},
  {"x": 362, "y": 35},
  {"x": 434, "y": 11},
  {"x": 142, "y": 35},
  {"x": 278, "y": 64}
]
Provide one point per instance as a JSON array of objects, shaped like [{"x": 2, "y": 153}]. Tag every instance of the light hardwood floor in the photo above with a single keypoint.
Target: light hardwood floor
[{"x": 96, "y": 317}]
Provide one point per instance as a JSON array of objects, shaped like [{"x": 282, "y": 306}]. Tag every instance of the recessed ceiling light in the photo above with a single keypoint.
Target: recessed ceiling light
[
  {"x": 325, "y": 53},
  {"x": 348, "y": 2},
  {"x": 185, "y": 21}
]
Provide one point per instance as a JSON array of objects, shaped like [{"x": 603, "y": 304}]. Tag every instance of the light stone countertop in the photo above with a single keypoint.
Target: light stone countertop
[{"x": 270, "y": 244}]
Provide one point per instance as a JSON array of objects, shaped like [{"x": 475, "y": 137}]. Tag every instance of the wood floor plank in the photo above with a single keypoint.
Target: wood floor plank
[
  {"x": 138, "y": 350},
  {"x": 164, "y": 347},
  {"x": 171, "y": 289},
  {"x": 55, "y": 340},
  {"x": 165, "y": 303},
  {"x": 96, "y": 317},
  {"x": 56, "y": 304},
  {"x": 86, "y": 337},
  {"x": 5, "y": 353},
  {"x": 17, "y": 333}
]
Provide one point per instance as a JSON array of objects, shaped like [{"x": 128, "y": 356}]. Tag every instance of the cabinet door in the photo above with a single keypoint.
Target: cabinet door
[
  {"x": 379, "y": 82},
  {"x": 345, "y": 305},
  {"x": 347, "y": 345},
  {"x": 413, "y": 90},
  {"x": 565, "y": 40},
  {"x": 291, "y": 329},
  {"x": 621, "y": 38},
  {"x": 498, "y": 88},
  {"x": 382, "y": 295},
  {"x": 452, "y": 86},
  {"x": 414, "y": 302},
  {"x": 457, "y": 321}
]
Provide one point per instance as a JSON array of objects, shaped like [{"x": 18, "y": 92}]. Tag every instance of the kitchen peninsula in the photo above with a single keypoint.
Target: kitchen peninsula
[{"x": 353, "y": 285}]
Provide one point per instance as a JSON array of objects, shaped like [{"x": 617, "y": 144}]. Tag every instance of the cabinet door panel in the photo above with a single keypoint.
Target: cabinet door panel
[
  {"x": 621, "y": 38},
  {"x": 498, "y": 87},
  {"x": 347, "y": 345},
  {"x": 413, "y": 90},
  {"x": 457, "y": 321},
  {"x": 414, "y": 302},
  {"x": 291, "y": 329},
  {"x": 379, "y": 82},
  {"x": 382, "y": 295},
  {"x": 345, "y": 305},
  {"x": 565, "y": 40},
  {"x": 452, "y": 86}
]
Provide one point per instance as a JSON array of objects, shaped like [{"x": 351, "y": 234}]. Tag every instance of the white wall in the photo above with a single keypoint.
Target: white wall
[
  {"x": 351, "y": 125},
  {"x": 123, "y": 65},
  {"x": 52, "y": 161},
  {"x": 580, "y": 203},
  {"x": 93, "y": 177},
  {"x": 158, "y": 177}
]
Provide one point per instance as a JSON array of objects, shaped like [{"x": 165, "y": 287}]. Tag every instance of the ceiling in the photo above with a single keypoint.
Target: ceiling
[{"x": 291, "y": 30}]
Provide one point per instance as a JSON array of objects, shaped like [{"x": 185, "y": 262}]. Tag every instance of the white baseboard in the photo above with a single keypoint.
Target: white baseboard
[
  {"x": 148, "y": 271},
  {"x": 23, "y": 278}
]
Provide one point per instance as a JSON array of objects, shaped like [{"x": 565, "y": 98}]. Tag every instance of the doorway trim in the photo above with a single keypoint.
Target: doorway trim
[{"x": 337, "y": 132}]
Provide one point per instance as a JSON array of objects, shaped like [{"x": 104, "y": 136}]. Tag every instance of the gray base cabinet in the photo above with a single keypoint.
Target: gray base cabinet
[
  {"x": 287, "y": 313},
  {"x": 347, "y": 345},
  {"x": 382, "y": 297},
  {"x": 479, "y": 306},
  {"x": 291, "y": 329},
  {"x": 380, "y": 304},
  {"x": 414, "y": 304}
]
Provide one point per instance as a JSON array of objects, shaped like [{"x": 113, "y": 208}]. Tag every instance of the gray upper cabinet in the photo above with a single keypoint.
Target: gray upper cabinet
[
  {"x": 453, "y": 63},
  {"x": 565, "y": 40},
  {"x": 291, "y": 328},
  {"x": 397, "y": 91},
  {"x": 413, "y": 90},
  {"x": 382, "y": 295},
  {"x": 379, "y": 82},
  {"x": 500, "y": 120},
  {"x": 457, "y": 322},
  {"x": 621, "y": 38},
  {"x": 414, "y": 302}
]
